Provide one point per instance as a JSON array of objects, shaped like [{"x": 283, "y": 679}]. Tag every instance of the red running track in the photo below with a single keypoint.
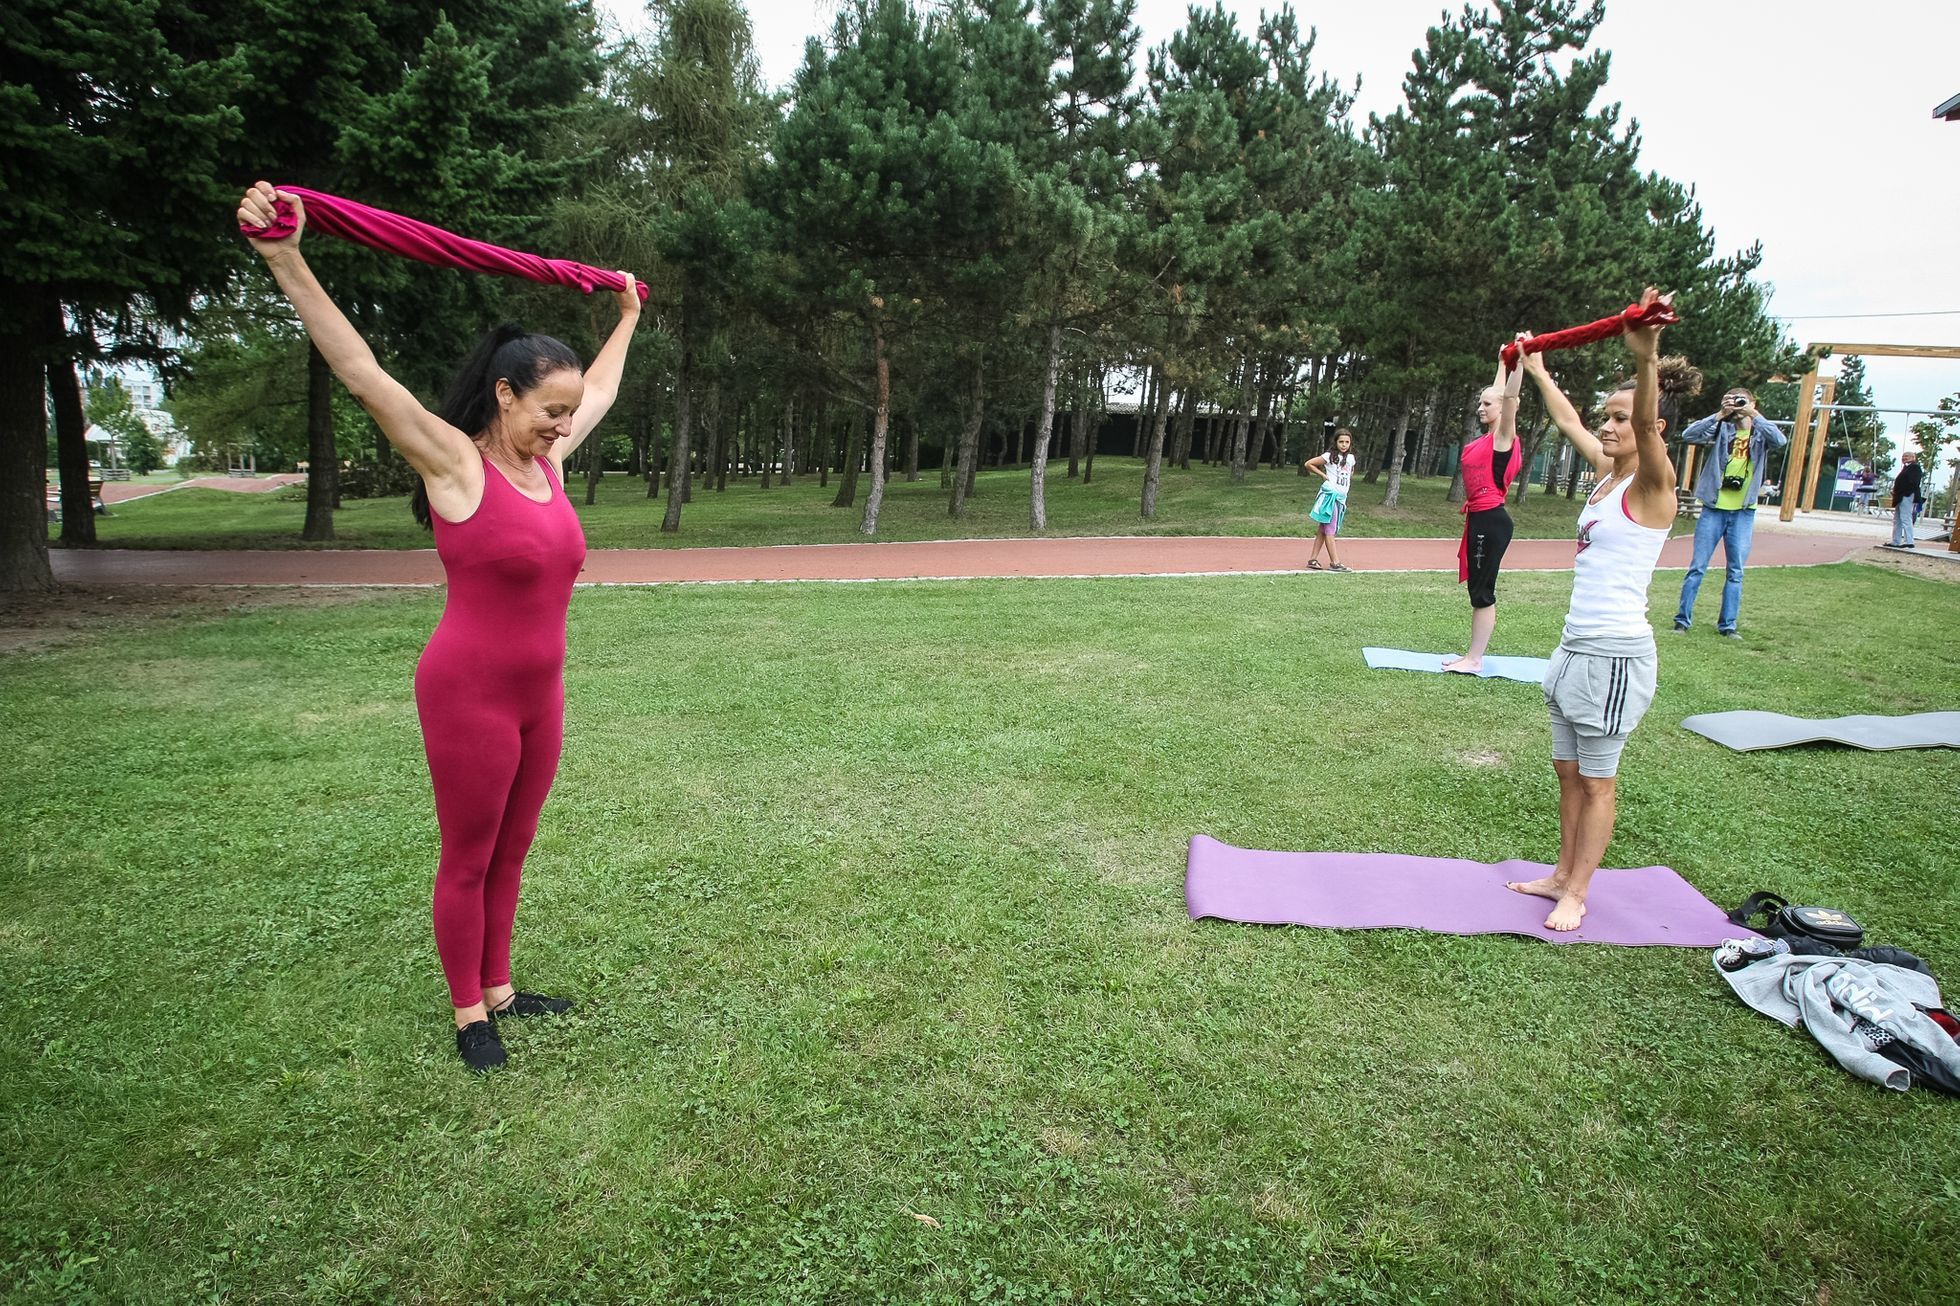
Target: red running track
[{"x": 1158, "y": 555}]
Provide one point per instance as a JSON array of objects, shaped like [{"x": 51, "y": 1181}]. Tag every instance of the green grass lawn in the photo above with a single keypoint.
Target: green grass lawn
[
  {"x": 871, "y": 896},
  {"x": 1202, "y": 501}
]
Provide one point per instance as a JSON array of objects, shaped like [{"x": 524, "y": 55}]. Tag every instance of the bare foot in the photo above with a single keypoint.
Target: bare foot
[
  {"x": 1468, "y": 666},
  {"x": 1570, "y": 911},
  {"x": 1552, "y": 886}
]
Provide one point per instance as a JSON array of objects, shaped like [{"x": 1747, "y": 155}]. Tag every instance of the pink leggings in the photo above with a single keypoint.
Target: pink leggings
[{"x": 492, "y": 768}]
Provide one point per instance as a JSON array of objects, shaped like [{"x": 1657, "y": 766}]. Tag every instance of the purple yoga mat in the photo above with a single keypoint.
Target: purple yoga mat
[{"x": 1648, "y": 907}]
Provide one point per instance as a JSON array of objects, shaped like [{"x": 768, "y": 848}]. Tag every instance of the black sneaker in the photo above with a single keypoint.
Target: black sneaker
[
  {"x": 1729, "y": 634},
  {"x": 480, "y": 1045},
  {"x": 532, "y": 1004},
  {"x": 1680, "y": 629}
]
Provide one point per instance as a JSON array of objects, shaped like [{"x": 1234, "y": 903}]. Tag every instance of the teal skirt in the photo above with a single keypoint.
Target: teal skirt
[{"x": 1328, "y": 509}]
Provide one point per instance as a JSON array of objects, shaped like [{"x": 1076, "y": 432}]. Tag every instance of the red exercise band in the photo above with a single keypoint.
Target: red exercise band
[
  {"x": 393, "y": 234},
  {"x": 1658, "y": 313}
]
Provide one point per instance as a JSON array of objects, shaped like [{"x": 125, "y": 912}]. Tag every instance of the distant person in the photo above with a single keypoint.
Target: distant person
[
  {"x": 1907, "y": 498},
  {"x": 1490, "y": 464},
  {"x": 1740, "y": 439},
  {"x": 1336, "y": 471}
]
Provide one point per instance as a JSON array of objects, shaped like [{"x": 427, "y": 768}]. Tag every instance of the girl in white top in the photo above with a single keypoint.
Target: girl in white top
[
  {"x": 1336, "y": 471},
  {"x": 1602, "y": 675}
]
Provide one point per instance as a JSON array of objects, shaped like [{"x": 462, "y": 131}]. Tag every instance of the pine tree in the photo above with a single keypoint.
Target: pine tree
[
  {"x": 890, "y": 193},
  {"x": 116, "y": 115}
]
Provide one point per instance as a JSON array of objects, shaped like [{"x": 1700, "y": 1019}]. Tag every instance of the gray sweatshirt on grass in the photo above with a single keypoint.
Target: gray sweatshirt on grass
[{"x": 1841, "y": 1001}]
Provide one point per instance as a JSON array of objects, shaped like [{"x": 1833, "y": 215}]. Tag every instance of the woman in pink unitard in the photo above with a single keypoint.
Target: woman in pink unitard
[{"x": 490, "y": 686}]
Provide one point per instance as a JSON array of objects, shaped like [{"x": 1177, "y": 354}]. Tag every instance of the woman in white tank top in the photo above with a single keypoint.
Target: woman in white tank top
[{"x": 1602, "y": 675}]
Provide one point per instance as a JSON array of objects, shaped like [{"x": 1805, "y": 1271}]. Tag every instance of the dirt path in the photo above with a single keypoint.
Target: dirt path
[{"x": 934, "y": 559}]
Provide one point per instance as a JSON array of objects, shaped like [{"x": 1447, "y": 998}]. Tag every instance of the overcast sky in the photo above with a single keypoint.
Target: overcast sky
[{"x": 1805, "y": 125}]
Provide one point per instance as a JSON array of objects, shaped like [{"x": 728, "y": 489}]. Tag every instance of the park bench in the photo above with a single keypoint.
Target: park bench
[{"x": 94, "y": 497}]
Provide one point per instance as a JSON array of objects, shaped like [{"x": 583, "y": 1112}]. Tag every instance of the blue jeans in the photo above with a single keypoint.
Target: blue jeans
[
  {"x": 1734, "y": 528},
  {"x": 1902, "y": 516}
]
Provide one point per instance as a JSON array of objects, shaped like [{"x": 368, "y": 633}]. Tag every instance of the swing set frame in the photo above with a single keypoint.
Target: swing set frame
[{"x": 1806, "y": 446}]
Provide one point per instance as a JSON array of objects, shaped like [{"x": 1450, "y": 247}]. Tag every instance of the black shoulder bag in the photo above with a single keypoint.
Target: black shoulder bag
[{"x": 1782, "y": 921}]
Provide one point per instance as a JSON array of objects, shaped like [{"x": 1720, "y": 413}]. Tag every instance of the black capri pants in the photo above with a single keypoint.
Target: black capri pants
[{"x": 1489, "y": 534}]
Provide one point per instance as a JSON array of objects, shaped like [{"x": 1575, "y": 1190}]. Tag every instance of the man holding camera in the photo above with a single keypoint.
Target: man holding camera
[
  {"x": 1740, "y": 439},
  {"x": 1907, "y": 498}
]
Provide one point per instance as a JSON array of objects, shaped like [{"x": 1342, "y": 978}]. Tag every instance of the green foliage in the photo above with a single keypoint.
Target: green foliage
[
  {"x": 106, "y": 404},
  {"x": 118, "y": 114},
  {"x": 1934, "y": 433},
  {"x": 241, "y": 388},
  {"x": 1859, "y": 431}
]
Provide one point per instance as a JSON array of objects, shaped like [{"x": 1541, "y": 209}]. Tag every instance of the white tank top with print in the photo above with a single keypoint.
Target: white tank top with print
[
  {"x": 1340, "y": 474},
  {"x": 1612, "y": 572}
]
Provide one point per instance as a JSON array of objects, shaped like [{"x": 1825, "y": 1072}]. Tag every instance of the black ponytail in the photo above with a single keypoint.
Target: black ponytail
[{"x": 506, "y": 353}]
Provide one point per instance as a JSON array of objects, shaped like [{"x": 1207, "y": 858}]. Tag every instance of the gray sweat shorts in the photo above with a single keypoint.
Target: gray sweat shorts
[{"x": 1595, "y": 701}]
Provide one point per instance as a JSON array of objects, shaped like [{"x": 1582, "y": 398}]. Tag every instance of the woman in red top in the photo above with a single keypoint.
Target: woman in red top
[
  {"x": 490, "y": 686},
  {"x": 1490, "y": 464}
]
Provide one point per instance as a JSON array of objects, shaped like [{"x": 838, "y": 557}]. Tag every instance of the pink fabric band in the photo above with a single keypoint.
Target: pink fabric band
[{"x": 393, "y": 234}]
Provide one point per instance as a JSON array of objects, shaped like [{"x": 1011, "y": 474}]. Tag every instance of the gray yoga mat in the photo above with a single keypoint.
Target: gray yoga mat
[
  {"x": 1748, "y": 731},
  {"x": 1529, "y": 670},
  {"x": 1648, "y": 907}
]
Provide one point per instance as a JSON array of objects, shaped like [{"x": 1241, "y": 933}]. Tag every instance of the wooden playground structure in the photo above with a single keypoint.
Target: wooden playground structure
[{"x": 1807, "y": 445}]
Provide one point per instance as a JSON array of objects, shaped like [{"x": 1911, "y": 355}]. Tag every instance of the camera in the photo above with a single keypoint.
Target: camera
[
  {"x": 1732, "y": 482},
  {"x": 1735, "y": 401}
]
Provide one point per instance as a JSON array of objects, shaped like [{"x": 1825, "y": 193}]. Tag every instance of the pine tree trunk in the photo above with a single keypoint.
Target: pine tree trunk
[
  {"x": 1038, "y": 475},
  {"x": 71, "y": 445},
  {"x": 322, "y": 459},
  {"x": 654, "y": 461},
  {"x": 969, "y": 447},
  {"x": 1470, "y": 432},
  {"x": 677, "y": 457},
  {"x": 1153, "y": 467},
  {"x": 1075, "y": 436},
  {"x": 1262, "y": 425},
  {"x": 1095, "y": 395},
  {"x": 715, "y": 470},
  {"x": 847, "y": 480},
  {"x": 911, "y": 449},
  {"x": 25, "y": 348},
  {"x": 593, "y": 471},
  {"x": 1425, "y": 443},
  {"x": 1530, "y": 453},
  {"x": 880, "y": 429},
  {"x": 1282, "y": 409},
  {"x": 1242, "y": 422},
  {"x": 789, "y": 441},
  {"x": 1395, "y": 446}
]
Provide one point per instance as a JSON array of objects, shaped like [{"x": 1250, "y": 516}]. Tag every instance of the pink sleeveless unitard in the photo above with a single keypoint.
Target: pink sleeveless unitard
[{"x": 490, "y": 690}]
